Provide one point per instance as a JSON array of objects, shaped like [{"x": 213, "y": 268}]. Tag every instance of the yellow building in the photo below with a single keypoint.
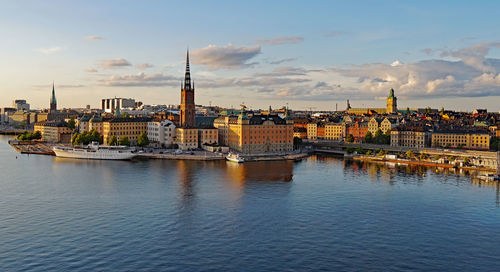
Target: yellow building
[
  {"x": 186, "y": 138},
  {"x": 95, "y": 123},
  {"x": 128, "y": 127},
  {"x": 378, "y": 123},
  {"x": 312, "y": 131},
  {"x": 391, "y": 107},
  {"x": 465, "y": 139},
  {"x": 257, "y": 133},
  {"x": 54, "y": 131},
  {"x": 335, "y": 131},
  {"x": 300, "y": 132}
]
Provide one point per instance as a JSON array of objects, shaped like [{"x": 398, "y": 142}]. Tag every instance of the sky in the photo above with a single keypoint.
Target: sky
[{"x": 304, "y": 54}]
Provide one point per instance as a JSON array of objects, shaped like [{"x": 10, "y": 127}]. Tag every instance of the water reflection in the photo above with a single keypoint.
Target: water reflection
[{"x": 270, "y": 171}]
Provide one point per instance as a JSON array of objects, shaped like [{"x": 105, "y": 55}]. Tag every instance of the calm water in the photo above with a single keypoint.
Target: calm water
[{"x": 318, "y": 214}]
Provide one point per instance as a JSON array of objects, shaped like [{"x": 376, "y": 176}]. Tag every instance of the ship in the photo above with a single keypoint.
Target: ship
[
  {"x": 94, "y": 151},
  {"x": 235, "y": 158}
]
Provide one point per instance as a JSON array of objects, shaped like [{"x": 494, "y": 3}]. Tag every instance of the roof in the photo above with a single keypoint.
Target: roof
[
  {"x": 130, "y": 120},
  {"x": 52, "y": 124},
  {"x": 205, "y": 121},
  {"x": 259, "y": 119}
]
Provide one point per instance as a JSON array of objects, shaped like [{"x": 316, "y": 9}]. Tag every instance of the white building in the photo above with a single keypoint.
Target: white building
[
  {"x": 21, "y": 105},
  {"x": 161, "y": 133},
  {"x": 110, "y": 104}
]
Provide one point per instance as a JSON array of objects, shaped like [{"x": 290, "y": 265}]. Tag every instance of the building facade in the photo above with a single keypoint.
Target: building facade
[
  {"x": 414, "y": 137},
  {"x": 187, "y": 108},
  {"x": 54, "y": 131},
  {"x": 161, "y": 132},
  {"x": 335, "y": 131},
  {"x": 461, "y": 139},
  {"x": 124, "y": 127}
]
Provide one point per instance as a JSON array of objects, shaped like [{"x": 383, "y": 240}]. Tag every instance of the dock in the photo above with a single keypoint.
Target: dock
[{"x": 32, "y": 147}]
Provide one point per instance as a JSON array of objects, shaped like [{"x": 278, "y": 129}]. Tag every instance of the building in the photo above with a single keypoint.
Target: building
[
  {"x": 358, "y": 130},
  {"x": 187, "y": 109},
  {"x": 461, "y": 139},
  {"x": 414, "y": 137},
  {"x": 222, "y": 125},
  {"x": 299, "y": 132},
  {"x": 53, "y": 101},
  {"x": 124, "y": 127},
  {"x": 186, "y": 138},
  {"x": 391, "y": 107},
  {"x": 95, "y": 123},
  {"x": 312, "y": 131},
  {"x": 21, "y": 105},
  {"x": 110, "y": 105},
  {"x": 261, "y": 134},
  {"x": 161, "y": 132},
  {"x": 54, "y": 131},
  {"x": 335, "y": 131}
]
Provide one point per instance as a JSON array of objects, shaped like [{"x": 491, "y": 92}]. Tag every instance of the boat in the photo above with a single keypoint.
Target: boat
[
  {"x": 94, "y": 151},
  {"x": 234, "y": 158},
  {"x": 488, "y": 177}
]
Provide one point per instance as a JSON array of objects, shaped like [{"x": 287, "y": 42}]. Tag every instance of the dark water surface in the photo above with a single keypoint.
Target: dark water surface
[{"x": 319, "y": 214}]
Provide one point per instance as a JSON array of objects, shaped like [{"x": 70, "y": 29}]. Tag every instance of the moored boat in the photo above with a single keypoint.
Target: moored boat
[
  {"x": 95, "y": 152},
  {"x": 235, "y": 158}
]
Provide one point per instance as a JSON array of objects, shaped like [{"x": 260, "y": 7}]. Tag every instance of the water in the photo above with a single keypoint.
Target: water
[{"x": 319, "y": 214}]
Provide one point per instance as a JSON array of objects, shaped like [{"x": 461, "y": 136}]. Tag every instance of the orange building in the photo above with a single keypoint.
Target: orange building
[{"x": 358, "y": 130}]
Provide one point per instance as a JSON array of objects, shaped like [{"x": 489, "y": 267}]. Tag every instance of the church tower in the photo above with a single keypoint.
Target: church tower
[
  {"x": 53, "y": 101},
  {"x": 187, "y": 99},
  {"x": 392, "y": 102}
]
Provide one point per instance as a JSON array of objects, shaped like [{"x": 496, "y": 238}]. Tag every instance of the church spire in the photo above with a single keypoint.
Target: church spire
[
  {"x": 187, "y": 76},
  {"x": 53, "y": 101}
]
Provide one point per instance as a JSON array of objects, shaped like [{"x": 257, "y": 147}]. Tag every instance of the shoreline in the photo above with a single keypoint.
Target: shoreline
[{"x": 419, "y": 163}]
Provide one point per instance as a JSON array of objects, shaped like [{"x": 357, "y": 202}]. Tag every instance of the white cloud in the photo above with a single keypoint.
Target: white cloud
[
  {"x": 141, "y": 80},
  {"x": 225, "y": 57},
  {"x": 93, "y": 38},
  {"x": 282, "y": 61},
  {"x": 144, "y": 65},
  {"x": 281, "y": 40},
  {"x": 91, "y": 70},
  {"x": 50, "y": 50},
  {"x": 114, "y": 63}
]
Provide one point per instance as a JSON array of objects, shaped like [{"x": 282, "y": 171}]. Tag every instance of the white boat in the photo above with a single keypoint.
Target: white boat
[
  {"x": 95, "y": 152},
  {"x": 234, "y": 158},
  {"x": 488, "y": 177}
]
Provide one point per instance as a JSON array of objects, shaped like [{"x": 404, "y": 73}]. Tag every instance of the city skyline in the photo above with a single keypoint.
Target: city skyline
[{"x": 309, "y": 55}]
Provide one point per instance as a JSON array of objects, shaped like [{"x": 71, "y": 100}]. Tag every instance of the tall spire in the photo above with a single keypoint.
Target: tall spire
[
  {"x": 53, "y": 101},
  {"x": 187, "y": 77}
]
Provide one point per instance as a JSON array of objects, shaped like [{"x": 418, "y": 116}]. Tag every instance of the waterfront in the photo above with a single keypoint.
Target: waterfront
[{"x": 320, "y": 213}]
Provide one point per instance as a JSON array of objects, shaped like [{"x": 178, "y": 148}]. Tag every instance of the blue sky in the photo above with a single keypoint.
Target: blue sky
[{"x": 304, "y": 53}]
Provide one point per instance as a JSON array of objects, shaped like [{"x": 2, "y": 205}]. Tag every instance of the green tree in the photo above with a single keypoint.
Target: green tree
[
  {"x": 124, "y": 115},
  {"x": 368, "y": 137},
  {"x": 369, "y": 152},
  {"x": 95, "y": 136},
  {"x": 113, "y": 140},
  {"x": 143, "y": 139},
  {"x": 467, "y": 160},
  {"x": 387, "y": 137},
  {"x": 436, "y": 157},
  {"x": 124, "y": 141},
  {"x": 360, "y": 150},
  {"x": 379, "y": 137},
  {"x": 381, "y": 153},
  {"x": 451, "y": 158},
  {"x": 349, "y": 150},
  {"x": 410, "y": 154},
  {"x": 71, "y": 123},
  {"x": 423, "y": 156},
  {"x": 349, "y": 138}
]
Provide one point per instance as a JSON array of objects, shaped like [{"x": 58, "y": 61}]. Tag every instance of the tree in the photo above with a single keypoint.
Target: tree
[
  {"x": 368, "y": 137},
  {"x": 95, "y": 136},
  {"x": 451, "y": 158},
  {"x": 26, "y": 136},
  {"x": 410, "y": 154},
  {"x": 369, "y": 152},
  {"x": 349, "y": 150},
  {"x": 143, "y": 139},
  {"x": 467, "y": 160},
  {"x": 381, "y": 153},
  {"x": 423, "y": 156},
  {"x": 495, "y": 144},
  {"x": 379, "y": 137},
  {"x": 113, "y": 140},
  {"x": 124, "y": 141},
  {"x": 124, "y": 115},
  {"x": 436, "y": 157},
  {"x": 387, "y": 137},
  {"x": 349, "y": 138},
  {"x": 71, "y": 123}
]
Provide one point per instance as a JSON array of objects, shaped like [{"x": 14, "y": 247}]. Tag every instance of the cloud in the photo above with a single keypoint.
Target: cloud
[
  {"x": 333, "y": 34},
  {"x": 141, "y": 80},
  {"x": 474, "y": 55},
  {"x": 49, "y": 51},
  {"x": 281, "y": 40},
  {"x": 59, "y": 86},
  {"x": 427, "y": 51},
  {"x": 114, "y": 63},
  {"x": 284, "y": 71},
  {"x": 93, "y": 38},
  {"x": 225, "y": 57},
  {"x": 91, "y": 70},
  {"x": 282, "y": 61},
  {"x": 144, "y": 65},
  {"x": 473, "y": 74}
]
